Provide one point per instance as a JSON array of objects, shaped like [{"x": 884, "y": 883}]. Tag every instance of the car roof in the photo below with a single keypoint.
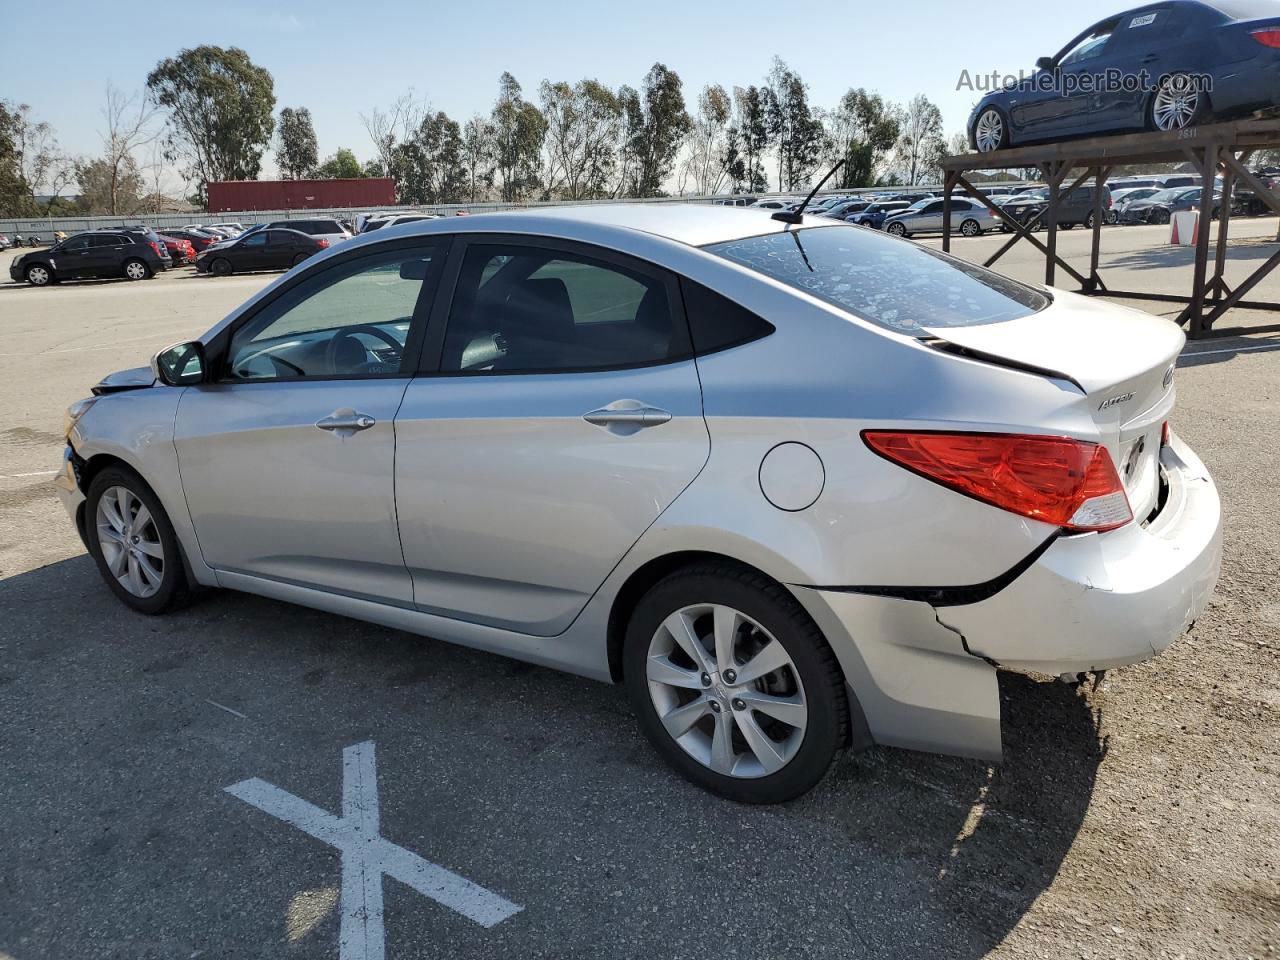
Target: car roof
[{"x": 695, "y": 224}]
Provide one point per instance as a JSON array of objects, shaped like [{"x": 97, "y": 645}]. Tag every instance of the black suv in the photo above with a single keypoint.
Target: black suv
[
  {"x": 99, "y": 254},
  {"x": 1073, "y": 208}
]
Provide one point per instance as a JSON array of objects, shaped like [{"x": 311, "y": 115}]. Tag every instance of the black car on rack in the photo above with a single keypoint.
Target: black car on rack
[{"x": 101, "y": 254}]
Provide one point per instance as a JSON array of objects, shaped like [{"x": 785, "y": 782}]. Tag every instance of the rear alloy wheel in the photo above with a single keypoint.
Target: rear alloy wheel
[
  {"x": 136, "y": 270},
  {"x": 1177, "y": 104},
  {"x": 734, "y": 684},
  {"x": 896, "y": 228},
  {"x": 989, "y": 131},
  {"x": 220, "y": 267},
  {"x": 38, "y": 275},
  {"x": 133, "y": 542},
  {"x": 970, "y": 228}
]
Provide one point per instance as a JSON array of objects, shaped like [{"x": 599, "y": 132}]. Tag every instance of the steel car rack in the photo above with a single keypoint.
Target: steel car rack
[{"x": 1224, "y": 148}]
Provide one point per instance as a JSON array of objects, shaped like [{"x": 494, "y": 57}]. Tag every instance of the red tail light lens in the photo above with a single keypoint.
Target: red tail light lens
[
  {"x": 156, "y": 247},
  {"x": 1267, "y": 36},
  {"x": 1164, "y": 434},
  {"x": 322, "y": 241},
  {"x": 1069, "y": 483}
]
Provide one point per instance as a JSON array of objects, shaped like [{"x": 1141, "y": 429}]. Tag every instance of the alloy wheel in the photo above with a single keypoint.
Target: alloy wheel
[
  {"x": 1176, "y": 103},
  {"x": 970, "y": 228},
  {"x": 130, "y": 541},
  {"x": 726, "y": 691},
  {"x": 988, "y": 132}
]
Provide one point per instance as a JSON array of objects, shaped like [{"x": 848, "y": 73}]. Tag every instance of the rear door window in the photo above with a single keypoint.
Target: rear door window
[
  {"x": 521, "y": 309},
  {"x": 894, "y": 283}
]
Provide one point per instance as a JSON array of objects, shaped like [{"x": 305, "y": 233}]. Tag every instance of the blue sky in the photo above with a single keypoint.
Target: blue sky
[{"x": 339, "y": 59}]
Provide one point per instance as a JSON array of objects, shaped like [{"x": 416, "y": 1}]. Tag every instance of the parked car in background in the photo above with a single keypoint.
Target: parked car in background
[
  {"x": 1231, "y": 42},
  {"x": 377, "y": 223},
  {"x": 326, "y": 228},
  {"x": 774, "y": 203},
  {"x": 845, "y": 207},
  {"x": 1246, "y": 203},
  {"x": 197, "y": 238},
  {"x": 1162, "y": 205},
  {"x": 181, "y": 251},
  {"x": 968, "y": 218},
  {"x": 5, "y": 242},
  {"x": 233, "y": 229},
  {"x": 874, "y": 214},
  {"x": 98, "y": 254},
  {"x": 1016, "y": 499},
  {"x": 1125, "y": 196},
  {"x": 1074, "y": 208},
  {"x": 268, "y": 249}
]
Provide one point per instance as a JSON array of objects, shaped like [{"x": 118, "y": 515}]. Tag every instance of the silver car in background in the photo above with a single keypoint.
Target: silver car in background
[
  {"x": 797, "y": 487},
  {"x": 968, "y": 218}
]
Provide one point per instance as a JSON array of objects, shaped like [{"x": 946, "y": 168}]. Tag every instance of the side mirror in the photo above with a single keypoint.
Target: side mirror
[
  {"x": 181, "y": 365},
  {"x": 1044, "y": 63}
]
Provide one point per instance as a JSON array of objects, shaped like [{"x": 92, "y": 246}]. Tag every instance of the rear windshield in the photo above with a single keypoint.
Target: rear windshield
[{"x": 892, "y": 282}]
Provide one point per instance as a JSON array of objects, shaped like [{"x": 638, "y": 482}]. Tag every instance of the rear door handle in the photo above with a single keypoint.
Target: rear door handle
[
  {"x": 346, "y": 423},
  {"x": 625, "y": 417}
]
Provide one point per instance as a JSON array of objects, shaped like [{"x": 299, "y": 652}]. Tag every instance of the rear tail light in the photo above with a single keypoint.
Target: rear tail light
[
  {"x": 1069, "y": 483},
  {"x": 1164, "y": 434},
  {"x": 156, "y": 247},
  {"x": 322, "y": 241},
  {"x": 1267, "y": 36}
]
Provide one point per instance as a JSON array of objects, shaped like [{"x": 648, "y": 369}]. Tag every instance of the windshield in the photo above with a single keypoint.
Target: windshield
[{"x": 894, "y": 283}]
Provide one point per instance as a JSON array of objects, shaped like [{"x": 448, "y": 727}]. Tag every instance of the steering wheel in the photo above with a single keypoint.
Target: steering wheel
[{"x": 342, "y": 334}]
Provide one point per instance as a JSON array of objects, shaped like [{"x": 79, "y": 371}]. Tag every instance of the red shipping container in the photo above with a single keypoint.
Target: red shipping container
[{"x": 235, "y": 195}]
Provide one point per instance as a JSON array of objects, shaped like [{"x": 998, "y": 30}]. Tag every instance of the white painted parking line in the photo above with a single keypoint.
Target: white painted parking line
[
  {"x": 367, "y": 856},
  {"x": 33, "y": 473}
]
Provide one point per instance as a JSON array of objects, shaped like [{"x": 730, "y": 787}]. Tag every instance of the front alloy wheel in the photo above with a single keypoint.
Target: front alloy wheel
[
  {"x": 130, "y": 542},
  {"x": 988, "y": 131},
  {"x": 133, "y": 542}
]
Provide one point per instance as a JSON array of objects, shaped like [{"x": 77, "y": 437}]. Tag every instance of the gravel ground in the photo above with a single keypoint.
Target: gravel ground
[{"x": 1138, "y": 819}]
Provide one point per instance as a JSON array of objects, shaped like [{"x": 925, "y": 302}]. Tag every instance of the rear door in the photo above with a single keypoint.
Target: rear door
[
  {"x": 558, "y": 415},
  {"x": 281, "y": 248}
]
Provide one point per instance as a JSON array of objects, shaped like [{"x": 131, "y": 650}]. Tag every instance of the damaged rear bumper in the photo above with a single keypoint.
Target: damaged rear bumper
[
  {"x": 1096, "y": 601},
  {"x": 925, "y": 673}
]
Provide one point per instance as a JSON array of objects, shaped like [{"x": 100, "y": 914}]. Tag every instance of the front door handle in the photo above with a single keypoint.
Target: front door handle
[
  {"x": 346, "y": 422},
  {"x": 625, "y": 417}
]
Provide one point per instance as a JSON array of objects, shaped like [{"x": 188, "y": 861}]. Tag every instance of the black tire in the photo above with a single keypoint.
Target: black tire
[
  {"x": 135, "y": 269},
  {"x": 778, "y": 612},
  {"x": 39, "y": 275},
  {"x": 174, "y": 590},
  {"x": 1066, "y": 226},
  {"x": 897, "y": 229},
  {"x": 971, "y": 228},
  {"x": 1160, "y": 216},
  {"x": 220, "y": 267}
]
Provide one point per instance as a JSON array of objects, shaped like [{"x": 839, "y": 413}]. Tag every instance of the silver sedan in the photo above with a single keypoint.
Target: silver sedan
[
  {"x": 968, "y": 218},
  {"x": 796, "y": 486}
]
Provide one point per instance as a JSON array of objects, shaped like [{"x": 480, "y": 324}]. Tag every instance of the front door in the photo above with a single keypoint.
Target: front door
[
  {"x": 288, "y": 458},
  {"x": 563, "y": 416},
  {"x": 74, "y": 258}
]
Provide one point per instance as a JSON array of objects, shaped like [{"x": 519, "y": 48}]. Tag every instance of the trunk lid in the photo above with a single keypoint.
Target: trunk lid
[{"x": 1121, "y": 359}]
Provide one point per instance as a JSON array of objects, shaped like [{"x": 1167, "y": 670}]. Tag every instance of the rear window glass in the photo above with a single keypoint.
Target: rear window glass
[{"x": 892, "y": 282}]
